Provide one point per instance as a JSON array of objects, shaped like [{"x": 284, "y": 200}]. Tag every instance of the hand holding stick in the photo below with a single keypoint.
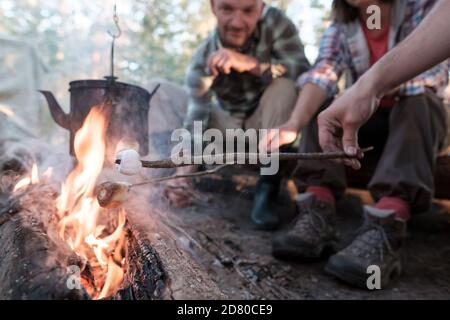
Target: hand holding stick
[
  {"x": 113, "y": 194},
  {"x": 283, "y": 156}
]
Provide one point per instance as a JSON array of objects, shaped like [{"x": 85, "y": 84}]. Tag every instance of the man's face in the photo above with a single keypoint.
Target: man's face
[{"x": 236, "y": 20}]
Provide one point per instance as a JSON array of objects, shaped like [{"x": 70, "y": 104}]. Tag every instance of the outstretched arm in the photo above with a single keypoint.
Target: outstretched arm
[{"x": 428, "y": 45}]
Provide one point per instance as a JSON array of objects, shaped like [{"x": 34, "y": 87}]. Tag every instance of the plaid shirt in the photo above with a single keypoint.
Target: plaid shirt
[
  {"x": 275, "y": 42},
  {"x": 344, "y": 48}
]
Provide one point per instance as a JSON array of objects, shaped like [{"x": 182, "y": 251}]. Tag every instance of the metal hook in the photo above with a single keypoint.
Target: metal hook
[
  {"x": 116, "y": 22},
  {"x": 114, "y": 37}
]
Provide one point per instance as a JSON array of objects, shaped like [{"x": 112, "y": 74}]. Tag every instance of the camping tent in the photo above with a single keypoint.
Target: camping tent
[{"x": 20, "y": 75}]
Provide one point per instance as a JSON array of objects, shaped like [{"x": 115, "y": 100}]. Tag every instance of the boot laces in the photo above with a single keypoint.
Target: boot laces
[
  {"x": 367, "y": 238},
  {"x": 310, "y": 219}
]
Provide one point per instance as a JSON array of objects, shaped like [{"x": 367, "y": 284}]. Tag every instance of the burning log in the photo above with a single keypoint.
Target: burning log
[
  {"x": 33, "y": 260},
  {"x": 170, "y": 253},
  {"x": 146, "y": 278},
  {"x": 51, "y": 230}
]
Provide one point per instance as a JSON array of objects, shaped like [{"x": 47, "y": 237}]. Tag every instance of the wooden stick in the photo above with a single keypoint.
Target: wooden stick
[
  {"x": 282, "y": 156},
  {"x": 113, "y": 194},
  {"x": 178, "y": 176}
]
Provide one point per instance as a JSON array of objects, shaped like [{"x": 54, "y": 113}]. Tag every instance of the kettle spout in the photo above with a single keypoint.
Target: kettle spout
[{"x": 55, "y": 110}]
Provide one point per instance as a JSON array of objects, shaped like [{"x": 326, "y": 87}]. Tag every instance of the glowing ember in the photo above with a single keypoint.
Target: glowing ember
[
  {"x": 32, "y": 179},
  {"x": 79, "y": 211},
  {"x": 22, "y": 183}
]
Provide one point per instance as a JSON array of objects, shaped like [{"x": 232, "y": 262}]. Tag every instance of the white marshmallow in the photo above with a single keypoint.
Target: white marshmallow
[{"x": 130, "y": 163}]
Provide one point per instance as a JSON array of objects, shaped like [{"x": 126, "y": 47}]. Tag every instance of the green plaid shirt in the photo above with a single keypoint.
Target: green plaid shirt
[{"x": 275, "y": 42}]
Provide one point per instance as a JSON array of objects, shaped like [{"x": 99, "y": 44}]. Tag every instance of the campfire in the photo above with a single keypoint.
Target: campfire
[
  {"x": 79, "y": 213},
  {"x": 97, "y": 236},
  {"x": 56, "y": 242}
]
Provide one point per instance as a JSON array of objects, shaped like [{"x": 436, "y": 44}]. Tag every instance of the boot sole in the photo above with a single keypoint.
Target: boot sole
[
  {"x": 266, "y": 227},
  {"x": 355, "y": 279},
  {"x": 290, "y": 252}
]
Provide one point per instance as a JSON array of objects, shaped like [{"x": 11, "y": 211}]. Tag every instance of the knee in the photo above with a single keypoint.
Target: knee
[
  {"x": 416, "y": 109},
  {"x": 282, "y": 86},
  {"x": 419, "y": 115},
  {"x": 281, "y": 93}
]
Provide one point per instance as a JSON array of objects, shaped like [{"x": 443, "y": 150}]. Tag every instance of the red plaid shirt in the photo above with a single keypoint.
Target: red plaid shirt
[{"x": 343, "y": 48}]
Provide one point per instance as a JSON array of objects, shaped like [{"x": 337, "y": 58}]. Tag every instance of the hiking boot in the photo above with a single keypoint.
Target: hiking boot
[
  {"x": 264, "y": 214},
  {"x": 313, "y": 231},
  {"x": 377, "y": 243}
]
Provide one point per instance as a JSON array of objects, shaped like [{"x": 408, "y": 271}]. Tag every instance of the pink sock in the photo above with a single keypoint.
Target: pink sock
[
  {"x": 322, "y": 194},
  {"x": 401, "y": 207}
]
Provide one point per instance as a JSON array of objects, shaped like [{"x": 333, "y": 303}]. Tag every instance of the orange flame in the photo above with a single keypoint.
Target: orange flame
[
  {"x": 79, "y": 211},
  {"x": 34, "y": 174}
]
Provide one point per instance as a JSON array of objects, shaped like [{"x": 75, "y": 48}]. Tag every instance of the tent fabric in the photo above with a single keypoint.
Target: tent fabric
[{"x": 21, "y": 72}]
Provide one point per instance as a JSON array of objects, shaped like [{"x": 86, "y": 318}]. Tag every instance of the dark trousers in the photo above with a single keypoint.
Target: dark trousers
[{"x": 407, "y": 140}]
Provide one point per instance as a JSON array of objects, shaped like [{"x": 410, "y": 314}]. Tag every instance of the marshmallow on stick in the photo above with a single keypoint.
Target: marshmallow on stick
[
  {"x": 112, "y": 194},
  {"x": 130, "y": 162}
]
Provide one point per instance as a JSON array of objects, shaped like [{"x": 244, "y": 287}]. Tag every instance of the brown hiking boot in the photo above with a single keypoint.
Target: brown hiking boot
[
  {"x": 377, "y": 243},
  {"x": 311, "y": 232}
]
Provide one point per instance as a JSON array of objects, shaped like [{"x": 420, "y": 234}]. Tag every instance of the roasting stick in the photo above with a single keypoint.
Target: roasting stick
[
  {"x": 187, "y": 175},
  {"x": 282, "y": 156},
  {"x": 113, "y": 194}
]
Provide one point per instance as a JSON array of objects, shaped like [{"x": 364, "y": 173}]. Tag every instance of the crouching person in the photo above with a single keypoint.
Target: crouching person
[
  {"x": 408, "y": 130},
  {"x": 243, "y": 77}
]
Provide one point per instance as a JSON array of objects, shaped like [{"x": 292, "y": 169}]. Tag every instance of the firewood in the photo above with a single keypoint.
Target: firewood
[{"x": 33, "y": 260}]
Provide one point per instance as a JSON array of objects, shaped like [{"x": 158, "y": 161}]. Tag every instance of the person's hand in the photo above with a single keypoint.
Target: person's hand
[
  {"x": 278, "y": 137},
  {"x": 180, "y": 192},
  {"x": 339, "y": 123},
  {"x": 224, "y": 60}
]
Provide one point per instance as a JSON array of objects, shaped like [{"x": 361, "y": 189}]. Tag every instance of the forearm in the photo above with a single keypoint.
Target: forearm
[
  {"x": 248, "y": 63},
  {"x": 311, "y": 98},
  {"x": 428, "y": 45},
  {"x": 257, "y": 68}
]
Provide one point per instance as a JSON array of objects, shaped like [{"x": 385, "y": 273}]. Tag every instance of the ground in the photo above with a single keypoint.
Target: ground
[{"x": 239, "y": 259}]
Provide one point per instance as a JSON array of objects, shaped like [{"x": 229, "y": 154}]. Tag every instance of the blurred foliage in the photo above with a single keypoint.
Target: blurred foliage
[
  {"x": 159, "y": 36},
  {"x": 320, "y": 27},
  {"x": 169, "y": 35}
]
